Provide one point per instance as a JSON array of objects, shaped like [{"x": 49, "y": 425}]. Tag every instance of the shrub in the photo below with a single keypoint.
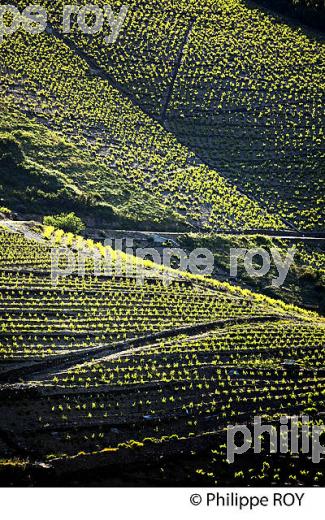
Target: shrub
[
  {"x": 69, "y": 222},
  {"x": 308, "y": 274},
  {"x": 5, "y": 211}
]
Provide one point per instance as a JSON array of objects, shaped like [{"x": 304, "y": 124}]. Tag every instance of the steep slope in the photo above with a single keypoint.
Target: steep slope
[
  {"x": 117, "y": 375},
  {"x": 134, "y": 378},
  {"x": 45, "y": 80},
  {"x": 241, "y": 88}
]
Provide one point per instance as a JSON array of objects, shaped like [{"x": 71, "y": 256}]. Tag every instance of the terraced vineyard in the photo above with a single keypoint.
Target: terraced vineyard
[
  {"x": 240, "y": 88},
  {"x": 140, "y": 151},
  {"x": 105, "y": 372},
  {"x": 204, "y": 120},
  {"x": 190, "y": 68}
]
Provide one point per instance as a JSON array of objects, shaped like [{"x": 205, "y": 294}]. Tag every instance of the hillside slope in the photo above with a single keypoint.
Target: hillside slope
[
  {"x": 204, "y": 116},
  {"x": 108, "y": 374},
  {"x": 242, "y": 88},
  {"x": 42, "y": 78}
]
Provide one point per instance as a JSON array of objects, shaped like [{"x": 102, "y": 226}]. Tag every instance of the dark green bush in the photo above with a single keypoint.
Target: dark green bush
[
  {"x": 69, "y": 222},
  {"x": 5, "y": 211},
  {"x": 307, "y": 274}
]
